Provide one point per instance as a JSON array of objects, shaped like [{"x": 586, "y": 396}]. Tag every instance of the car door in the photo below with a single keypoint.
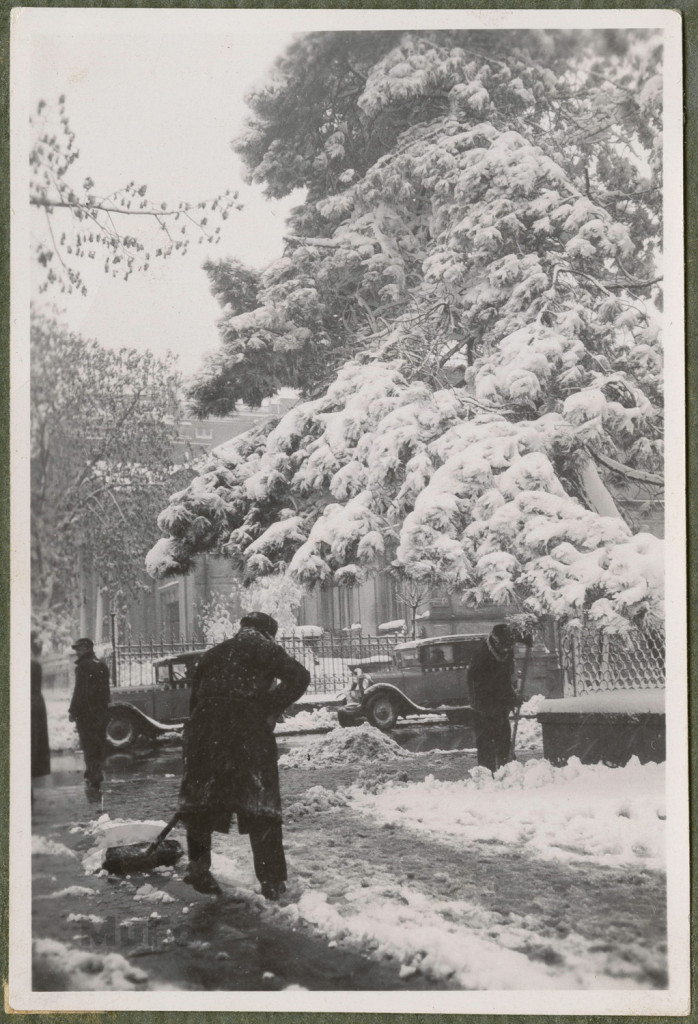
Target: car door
[
  {"x": 441, "y": 674},
  {"x": 411, "y": 679}
]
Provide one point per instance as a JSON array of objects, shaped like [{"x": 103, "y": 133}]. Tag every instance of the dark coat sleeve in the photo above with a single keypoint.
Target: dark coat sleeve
[
  {"x": 293, "y": 677},
  {"x": 491, "y": 682},
  {"x": 199, "y": 671}
]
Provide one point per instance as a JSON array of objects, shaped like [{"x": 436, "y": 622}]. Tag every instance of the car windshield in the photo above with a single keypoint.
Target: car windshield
[{"x": 407, "y": 658}]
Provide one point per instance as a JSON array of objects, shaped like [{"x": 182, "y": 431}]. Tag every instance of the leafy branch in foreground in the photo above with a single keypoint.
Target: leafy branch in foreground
[{"x": 83, "y": 223}]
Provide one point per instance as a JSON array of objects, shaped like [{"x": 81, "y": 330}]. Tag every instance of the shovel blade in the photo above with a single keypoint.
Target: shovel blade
[{"x": 123, "y": 860}]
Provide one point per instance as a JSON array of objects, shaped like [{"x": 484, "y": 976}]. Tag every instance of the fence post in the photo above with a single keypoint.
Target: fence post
[{"x": 112, "y": 616}]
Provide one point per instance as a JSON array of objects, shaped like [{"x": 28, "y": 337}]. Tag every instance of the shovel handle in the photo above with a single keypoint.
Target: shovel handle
[{"x": 163, "y": 835}]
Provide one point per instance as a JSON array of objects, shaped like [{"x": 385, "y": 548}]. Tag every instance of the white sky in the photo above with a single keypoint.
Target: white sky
[{"x": 160, "y": 111}]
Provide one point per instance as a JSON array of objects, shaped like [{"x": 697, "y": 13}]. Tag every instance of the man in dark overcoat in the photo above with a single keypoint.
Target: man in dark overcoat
[
  {"x": 230, "y": 755},
  {"x": 491, "y": 678},
  {"x": 89, "y": 710},
  {"x": 40, "y": 749}
]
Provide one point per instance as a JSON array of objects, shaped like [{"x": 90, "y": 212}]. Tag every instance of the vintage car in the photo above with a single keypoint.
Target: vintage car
[
  {"x": 430, "y": 676},
  {"x": 148, "y": 711}
]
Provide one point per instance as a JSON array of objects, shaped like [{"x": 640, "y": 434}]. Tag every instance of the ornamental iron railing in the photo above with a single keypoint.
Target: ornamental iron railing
[
  {"x": 594, "y": 661},
  {"x": 329, "y": 659}
]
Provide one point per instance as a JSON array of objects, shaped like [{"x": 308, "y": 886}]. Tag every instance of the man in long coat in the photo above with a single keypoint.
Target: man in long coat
[
  {"x": 89, "y": 710},
  {"x": 230, "y": 755},
  {"x": 491, "y": 677},
  {"x": 40, "y": 750}
]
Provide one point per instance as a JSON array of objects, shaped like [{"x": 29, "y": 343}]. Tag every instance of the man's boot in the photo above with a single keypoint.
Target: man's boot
[
  {"x": 273, "y": 890},
  {"x": 198, "y": 874}
]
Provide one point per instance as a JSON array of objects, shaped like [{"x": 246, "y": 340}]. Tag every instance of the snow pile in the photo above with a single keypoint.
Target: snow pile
[
  {"x": 74, "y": 970},
  {"x": 529, "y": 735},
  {"x": 320, "y": 718},
  {"x": 612, "y": 816},
  {"x": 119, "y": 832},
  {"x": 149, "y": 894},
  {"x": 42, "y": 845},
  {"x": 344, "y": 746},
  {"x": 315, "y": 800},
  {"x": 77, "y": 918},
  {"x": 62, "y": 734},
  {"x": 76, "y": 891}
]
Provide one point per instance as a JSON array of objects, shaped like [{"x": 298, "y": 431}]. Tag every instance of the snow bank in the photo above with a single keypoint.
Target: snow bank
[
  {"x": 71, "y": 969},
  {"x": 344, "y": 746},
  {"x": 42, "y": 845},
  {"x": 612, "y": 816}
]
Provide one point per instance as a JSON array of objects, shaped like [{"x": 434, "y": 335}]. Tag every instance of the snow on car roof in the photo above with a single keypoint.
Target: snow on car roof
[{"x": 439, "y": 640}]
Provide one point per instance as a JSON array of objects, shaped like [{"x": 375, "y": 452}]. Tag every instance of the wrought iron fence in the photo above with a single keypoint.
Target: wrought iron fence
[
  {"x": 593, "y": 661},
  {"x": 329, "y": 659}
]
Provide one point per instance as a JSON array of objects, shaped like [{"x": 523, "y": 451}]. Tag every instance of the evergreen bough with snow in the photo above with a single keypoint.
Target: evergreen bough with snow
[{"x": 470, "y": 306}]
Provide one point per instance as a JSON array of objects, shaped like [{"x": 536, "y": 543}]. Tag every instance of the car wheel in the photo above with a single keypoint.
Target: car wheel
[
  {"x": 382, "y": 712},
  {"x": 122, "y": 730}
]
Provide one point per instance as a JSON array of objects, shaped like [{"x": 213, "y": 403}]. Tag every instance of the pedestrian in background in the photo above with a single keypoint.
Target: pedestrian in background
[
  {"x": 40, "y": 749},
  {"x": 492, "y": 682},
  {"x": 230, "y": 754},
  {"x": 89, "y": 710}
]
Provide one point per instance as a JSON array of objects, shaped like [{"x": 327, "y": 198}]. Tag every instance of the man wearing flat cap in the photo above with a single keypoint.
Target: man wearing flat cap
[
  {"x": 230, "y": 754},
  {"x": 89, "y": 710}
]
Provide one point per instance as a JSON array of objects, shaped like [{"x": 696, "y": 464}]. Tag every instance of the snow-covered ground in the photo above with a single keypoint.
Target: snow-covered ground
[{"x": 612, "y": 816}]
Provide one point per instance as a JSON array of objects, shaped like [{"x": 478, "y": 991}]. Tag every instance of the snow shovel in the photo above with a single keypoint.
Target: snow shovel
[
  {"x": 161, "y": 852},
  {"x": 517, "y": 713}
]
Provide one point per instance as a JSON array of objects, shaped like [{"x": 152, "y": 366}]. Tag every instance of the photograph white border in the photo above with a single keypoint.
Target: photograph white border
[{"x": 27, "y": 23}]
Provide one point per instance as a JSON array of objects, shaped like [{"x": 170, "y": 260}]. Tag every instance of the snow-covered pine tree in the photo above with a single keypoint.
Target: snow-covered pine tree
[{"x": 480, "y": 281}]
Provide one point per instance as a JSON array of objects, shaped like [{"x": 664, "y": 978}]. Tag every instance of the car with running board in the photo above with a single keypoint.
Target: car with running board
[
  {"x": 137, "y": 712},
  {"x": 430, "y": 676}
]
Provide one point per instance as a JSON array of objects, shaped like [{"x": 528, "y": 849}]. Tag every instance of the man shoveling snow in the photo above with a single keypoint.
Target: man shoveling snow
[{"x": 230, "y": 750}]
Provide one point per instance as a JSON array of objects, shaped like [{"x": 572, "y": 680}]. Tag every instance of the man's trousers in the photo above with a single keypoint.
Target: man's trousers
[
  {"x": 266, "y": 841},
  {"x": 493, "y": 738},
  {"x": 93, "y": 740}
]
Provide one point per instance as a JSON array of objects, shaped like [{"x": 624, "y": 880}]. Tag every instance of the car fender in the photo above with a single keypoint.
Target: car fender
[
  {"x": 150, "y": 723},
  {"x": 395, "y": 691}
]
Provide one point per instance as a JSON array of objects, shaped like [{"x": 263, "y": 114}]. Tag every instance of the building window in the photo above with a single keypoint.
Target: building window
[
  {"x": 170, "y": 618},
  {"x": 203, "y": 434}
]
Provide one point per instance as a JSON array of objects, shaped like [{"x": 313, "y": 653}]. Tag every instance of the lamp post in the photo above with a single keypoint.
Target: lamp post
[{"x": 112, "y": 616}]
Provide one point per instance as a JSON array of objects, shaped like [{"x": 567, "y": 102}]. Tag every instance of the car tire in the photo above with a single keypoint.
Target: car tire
[
  {"x": 382, "y": 712},
  {"x": 122, "y": 730}
]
